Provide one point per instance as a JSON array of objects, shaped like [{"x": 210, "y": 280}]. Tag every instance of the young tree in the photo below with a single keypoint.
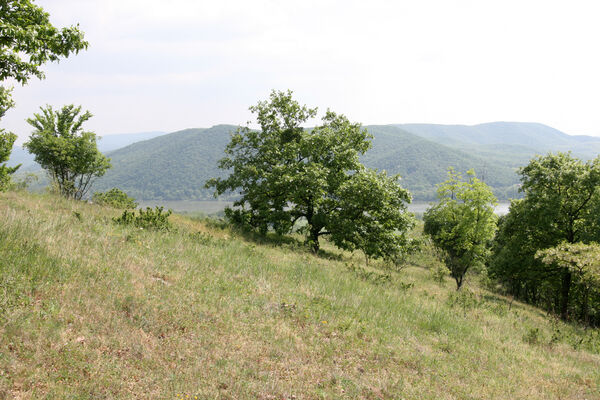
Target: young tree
[
  {"x": 462, "y": 223},
  {"x": 285, "y": 173},
  {"x": 65, "y": 150},
  {"x": 560, "y": 205}
]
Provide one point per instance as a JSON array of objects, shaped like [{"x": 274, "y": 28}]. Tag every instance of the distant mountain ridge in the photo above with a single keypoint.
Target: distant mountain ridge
[
  {"x": 176, "y": 166},
  {"x": 514, "y": 142}
]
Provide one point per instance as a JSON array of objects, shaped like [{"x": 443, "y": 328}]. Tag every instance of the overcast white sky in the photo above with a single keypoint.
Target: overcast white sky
[{"x": 169, "y": 65}]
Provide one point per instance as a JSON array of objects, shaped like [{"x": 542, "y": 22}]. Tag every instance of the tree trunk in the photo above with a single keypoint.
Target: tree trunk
[
  {"x": 459, "y": 281},
  {"x": 564, "y": 294},
  {"x": 314, "y": 239}
]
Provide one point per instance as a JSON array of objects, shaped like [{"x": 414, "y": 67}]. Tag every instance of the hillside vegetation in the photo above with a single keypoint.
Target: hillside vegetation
[
  {"x": 176, "y": 166},
  {"x": 90, "y": 309},
  {"x": 512, "y": 143}
]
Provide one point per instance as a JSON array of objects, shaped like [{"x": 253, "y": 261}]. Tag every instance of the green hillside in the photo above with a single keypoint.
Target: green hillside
[
  {"x": 94, "y": 310},
  {"x": 423, "y": 164},
  {"x": 176, "y": 166},
  {"x": 170, "y": 167},
  {"x": 507, "y": 142}
]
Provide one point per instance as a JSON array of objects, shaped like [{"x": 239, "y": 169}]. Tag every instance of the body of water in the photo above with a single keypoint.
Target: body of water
[
  {"x": 421, "y": 207},
  {"x": 214, "y": 206}
]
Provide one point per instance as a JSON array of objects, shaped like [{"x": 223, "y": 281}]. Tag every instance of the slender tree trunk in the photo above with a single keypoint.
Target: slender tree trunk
[
  {"x": 564, "y": 294},
  {"x": 585, "y": 306},
  {"x": 459, "y": 281},
  {"x": 314, "y": 239}
]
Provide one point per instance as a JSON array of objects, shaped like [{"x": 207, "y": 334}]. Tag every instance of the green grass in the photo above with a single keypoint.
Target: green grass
[{"x": 93, "y": 310}]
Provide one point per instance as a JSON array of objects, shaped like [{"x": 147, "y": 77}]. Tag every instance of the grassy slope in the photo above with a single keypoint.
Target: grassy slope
[{"x": 90, "y": 310}]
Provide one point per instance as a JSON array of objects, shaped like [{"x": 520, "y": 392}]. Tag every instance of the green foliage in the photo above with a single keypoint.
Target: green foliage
[
  {"x": 285, "y": 173},
  {"x": 116, "y": 198},
  {"x": 6, "y": 142},
  {"x": 371, "y": 216},
  {"x": 65, "y": 150},
  {"x": 176, "y": 166},
  {"x": 29, "y": 40},
  {"x": 149, "y": 218},
  {"x": 561, "y": 204},
  {"x": 583, "y": 262},
  {"x": 7, "y": 139},
  {"x": 462, "y": 223}
]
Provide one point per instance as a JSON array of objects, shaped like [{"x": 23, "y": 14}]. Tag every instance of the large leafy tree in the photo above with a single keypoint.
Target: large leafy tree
[
  {"x": 285, "y": 173},
  {"x": 462, "y": 223},
  {"x": 27, "y": 41},
  {"x": 560, "y": 205},
  {"x": 65, "y": 150}
]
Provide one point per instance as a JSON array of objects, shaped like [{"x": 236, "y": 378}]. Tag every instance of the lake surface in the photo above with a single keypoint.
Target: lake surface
[
  {"x": 214, "y": 206},
  {"x": 421, "y": 207}
]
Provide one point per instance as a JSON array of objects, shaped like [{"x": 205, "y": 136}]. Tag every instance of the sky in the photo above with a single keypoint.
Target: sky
[{"x": 158, "y": 65}]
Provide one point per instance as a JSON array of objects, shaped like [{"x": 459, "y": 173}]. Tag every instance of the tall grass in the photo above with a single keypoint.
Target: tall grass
[{"x": 94, "y": 310}]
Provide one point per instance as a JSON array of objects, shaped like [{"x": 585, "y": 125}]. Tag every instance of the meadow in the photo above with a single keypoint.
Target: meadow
[{"x": 94, "y": 310}]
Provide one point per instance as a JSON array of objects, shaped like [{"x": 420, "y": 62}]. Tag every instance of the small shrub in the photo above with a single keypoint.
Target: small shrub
[
  {"x": 464, "y": 299},
  {"x": 146, "y": 219},
  {"x": 532, "y": 336},
  {"x": 114, "y": 198},
  {"x": 369, "y": 276},
  {"x": 439, "y": 273}
]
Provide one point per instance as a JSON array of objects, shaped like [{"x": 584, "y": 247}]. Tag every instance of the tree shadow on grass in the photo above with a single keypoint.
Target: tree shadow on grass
[{"x": 294, "y": 242}]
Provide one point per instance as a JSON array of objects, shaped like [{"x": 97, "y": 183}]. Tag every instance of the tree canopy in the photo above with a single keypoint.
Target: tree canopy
[
  {"x": 28, "y": 40},
  {"x": 561, "y": 204},
  {"x": 285, "y": 173},
  {"x": 462, "y": 223},
  {"x": 65, "y": 150}
]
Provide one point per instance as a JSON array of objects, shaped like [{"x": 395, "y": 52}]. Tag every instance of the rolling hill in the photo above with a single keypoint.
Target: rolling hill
[
  {"x": 508, "y": 142},
  {"x": 176, "y": 166}
]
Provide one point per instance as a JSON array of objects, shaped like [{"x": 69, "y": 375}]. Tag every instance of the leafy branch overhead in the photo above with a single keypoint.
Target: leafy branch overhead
[
  {"x": 28, "y": 40},
  {"x": 285, "y": 173}
]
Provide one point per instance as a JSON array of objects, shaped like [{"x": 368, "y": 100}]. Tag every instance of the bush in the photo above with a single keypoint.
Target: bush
[
  {"x": 114, "y": 198},
  {"x": 146, "y": 219}
]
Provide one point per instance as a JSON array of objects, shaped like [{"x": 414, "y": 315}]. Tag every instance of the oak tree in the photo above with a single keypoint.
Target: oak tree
[{"x": 284, "y": 173}]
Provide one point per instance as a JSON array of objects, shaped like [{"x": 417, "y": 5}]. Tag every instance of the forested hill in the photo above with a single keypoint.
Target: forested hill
[
  {"x": 510, "y": 142},
  {"x": 176, "y": 166},
  {"x": 169, "y": 167}
]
